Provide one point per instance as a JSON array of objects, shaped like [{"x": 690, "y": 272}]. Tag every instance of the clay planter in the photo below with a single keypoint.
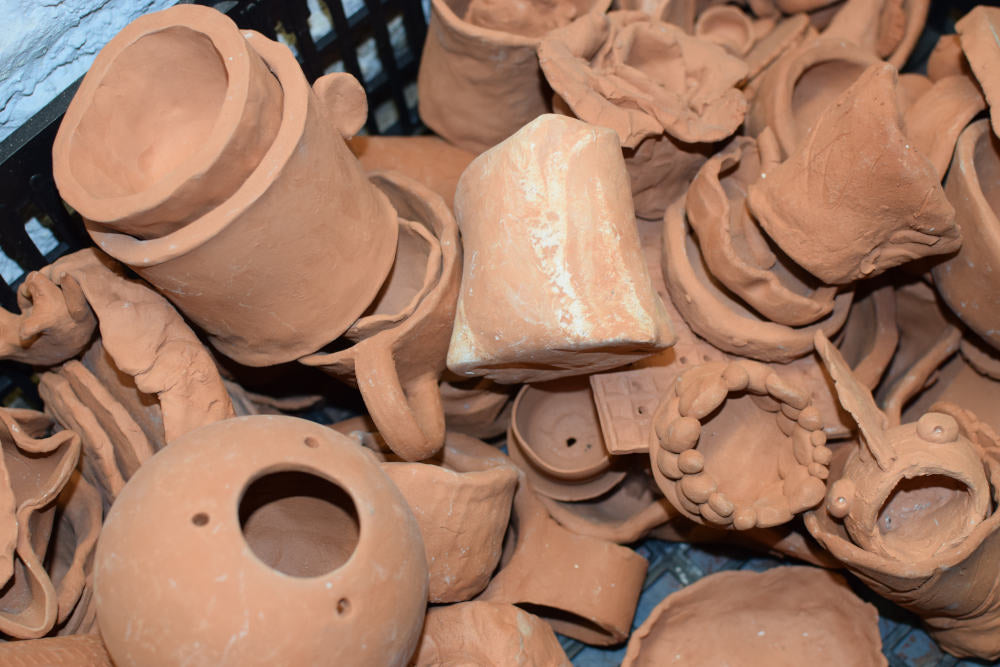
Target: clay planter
[
  {"x": 719, "y": 317},
  {"x": 786, "y": 615},
  {"x": 965, "y": 280},
  {"x": 554, "y": 283},
  {"x": 739, "y": 446},
  {"x": 896, "y": 214},
  {"x": 555, "y": 438},
  {"x": 479, "y": 80},
  {"x": 487, "y": 634},
  {"x": 75, "y": 651},
  {"x": 737, "y": 253},
  {"x": 397, "y": 366},
  {"x": 977, "y": 33},
  {"x": 281, "y": 264},
  {"x": 273, "y": 529},
  {"x": 480, "y": 407},
  {"x": 624, "y": 71}
]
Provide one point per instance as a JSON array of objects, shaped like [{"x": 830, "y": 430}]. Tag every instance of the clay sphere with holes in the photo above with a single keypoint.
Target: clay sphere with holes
[
  {"x": 261, "y": 540},
  {"x": 739, "y": 446}
]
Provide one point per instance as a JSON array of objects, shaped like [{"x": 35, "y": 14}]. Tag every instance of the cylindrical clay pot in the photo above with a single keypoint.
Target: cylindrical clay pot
[{"x": 271, "y": 267}]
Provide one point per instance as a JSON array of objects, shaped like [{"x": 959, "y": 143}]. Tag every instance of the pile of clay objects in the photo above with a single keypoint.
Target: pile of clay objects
[{"x": 699, "y": 271}]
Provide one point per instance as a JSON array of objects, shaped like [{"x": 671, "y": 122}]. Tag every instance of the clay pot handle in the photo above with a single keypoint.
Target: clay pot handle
[
  {"x": 410, "y": 420},
  {"x": 344, "y": 99}
]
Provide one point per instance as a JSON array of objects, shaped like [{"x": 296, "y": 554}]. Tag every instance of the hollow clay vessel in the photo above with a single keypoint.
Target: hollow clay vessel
[
  {"x": 911, "y": 513},
  {"x": 272, "y": 529},
  {"x": 555, "y": 438},
  {"x": 724, "y": 420},
  {"x": 397, "y": 363},
  {"x": 965, "y": 281},
  {"x": 554, "y": 283},
  {"x": 668, "y": 96},
  {"x": 269, "y": 258},
  {"x": 488, "y": 634},
  {"x": 73, "y": 651},
  {"x": 977, "y": 34},
  {"x": 897, "y": 213},
  {"x": 479, "y": 79},
  {"x": 784, "y": 616},
  {"x": 731, "y": 28}
]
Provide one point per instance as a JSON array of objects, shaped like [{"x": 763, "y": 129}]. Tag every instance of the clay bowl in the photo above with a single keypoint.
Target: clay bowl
[
  {"x": 555, "y": 437},
  {"x": 727, "y": 26}
]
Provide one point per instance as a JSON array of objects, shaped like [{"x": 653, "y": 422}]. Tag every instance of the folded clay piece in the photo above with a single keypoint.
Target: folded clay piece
[
  {"x": 784, "y": 616},
  {"x": 462, "y": 518},
  {"x": 667, "y": 95},
  {"x": 74, "y": 651},
  {"x": 735, "y": 250},
  {"x": 397, "y": 367},
  {"x": 272, "y": 530},
  {"x": 269, "y": 259},
  {"x": 936, "y": 119},
  {"x": 430, "y": 160},
  {"x": 888, "y": 29},
  {"x": 721, "y": 318},
  {"x": 965, "y": 281},
  {"x": 478, "y": 407},
  {"x": 554, "y": 283},
  {"x": 977, "y": 31},
  {"x": 487, "y": 634},
  {"x": 886, "y": 214},
  {"x": 555, "y": 438},
  {"x": 479, "y": 80},
  {"x": 911, "y": 514},
  {"x": 34, "y": 469}
]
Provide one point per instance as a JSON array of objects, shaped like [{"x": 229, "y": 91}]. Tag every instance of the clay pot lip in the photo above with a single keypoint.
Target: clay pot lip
[
  {"x": 963, "y": 169},
  {"x": 138, "y": 253},
  {"x": 226, "y": 38},
  {"x": 735, "y": 16},
  {"x": 453, "y": 21}
]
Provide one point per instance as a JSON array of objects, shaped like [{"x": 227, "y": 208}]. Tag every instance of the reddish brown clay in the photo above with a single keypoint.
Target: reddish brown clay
[
  {"x": 786, "y": 34},
  {"x": 306, "y": 537},
  {"x": 730, "y": 28},
  {"x": 888, "y": 29},
  {"x": 977, "y": 31},
  {"x": 784, "y": 616},
  {"x": 935, "y": 120},
  {"x": 74, "y": 651},
  {"x": 896, "y": 213},
  {"x": 947, "y": 58},
  {"x": 283, "y": 263},
  {"x": 70, "y": 556},
  {"x": 487, "y": 634},
  {"x": 479, "y": 407},
  {"x": 554, "y": 283}
]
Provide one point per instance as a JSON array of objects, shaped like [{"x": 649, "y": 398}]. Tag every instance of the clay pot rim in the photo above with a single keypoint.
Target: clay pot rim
[
  {"x": 727, "y": 12},
  {"x": 442, "y": 9},
  {"x": 225, "y": 38},
  {"x": 138, "y": 253},
  {"x": 987, "y": 225},
  {"x": 764, "y": 340}
]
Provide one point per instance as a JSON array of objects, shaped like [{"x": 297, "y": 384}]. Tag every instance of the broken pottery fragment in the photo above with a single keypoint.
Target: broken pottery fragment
[
  {"x": 977, "y": 32},
  {"x": 739, "y": 446},
  {"x": 947, "y": 58},
  {"x": 888, "y": 29},
  {"x": 784, "y": 616},
  {"x": 668, "y": 96},
  {"x": 890, "y": 211},
  {"x": 479, "y": 80},
  {"x": 306, "y": 538},
  {"x": 72, "y": 651},
  {"x": 936, "y": 119},
  {"x": 397, "y": 363},
  {"x": 554, "y": 283},
  {"x": 477, "y": 407},
  {"x": 278, "y": 263},
  {"x": 70, "y": 554},
  {"x": 487, "y": 634}
]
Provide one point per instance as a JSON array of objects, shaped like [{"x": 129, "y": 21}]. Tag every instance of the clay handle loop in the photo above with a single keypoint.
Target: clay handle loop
[
  {"x": 344, "y": 100},
  {"x": 411, "y": 421}
]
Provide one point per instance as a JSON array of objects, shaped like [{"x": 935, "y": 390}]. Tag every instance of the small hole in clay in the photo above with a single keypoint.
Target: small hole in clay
[
  {"x": 570, "y": 442},
  {"x": 641, "y": 410},
  {"x": 199, "y": 519},
  {"x": 312, "y": 442},
  {"x": 343, "y": 606},
  {"x": 683, "y": 360}
]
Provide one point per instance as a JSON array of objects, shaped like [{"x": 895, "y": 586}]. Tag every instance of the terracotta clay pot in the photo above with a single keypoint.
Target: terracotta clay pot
[
  {"x": 977, "y": 32},
  {"x": 283, "y": 263},
  {"x": 729, "y": 27},
  {"x": 719, "y": 317},
  {"x": 487, "y": 634},
  {"x": 911, "y": 514},
  {"x": 479, "y": 407},
  {"x": 965, "y": 280},
  {"x": 739, "y": 446},
  {"x": 74, "y": 651},
  {"x": 397, "y": 366},
  {"x": 305, "y": 537},
  {"x": 622, "y": 71},
  {"x": 936, "y": 119},
  {"x": 897, "y": 214},
  {"x": 555, "y": 438},
  {"x": 786, "y": 615},
  {"x": 888, "y": 29},
  {"x": 559, "y": 294},
  {"x": 479, "y": 80}
]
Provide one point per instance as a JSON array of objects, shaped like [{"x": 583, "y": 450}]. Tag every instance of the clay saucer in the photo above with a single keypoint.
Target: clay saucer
[{"x": 555, "y": 438}]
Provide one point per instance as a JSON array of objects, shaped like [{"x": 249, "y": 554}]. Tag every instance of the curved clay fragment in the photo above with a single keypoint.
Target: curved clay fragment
[
  {"x": 936, "y": 119},
  {"x": 977, "y": 31},
  {"x": 888, "y": 29},
  {"x": 72, "y": 651}
]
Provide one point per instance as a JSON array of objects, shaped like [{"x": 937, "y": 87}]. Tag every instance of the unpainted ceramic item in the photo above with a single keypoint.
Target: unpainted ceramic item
[
  {"x": 72, "y": 651},
  {"x": 286, "y": 262},
  {"x": 896, "y": 213},
  {"x": 306, "y": 537},
  {"x": 554, "y": 283},
  {"x": 72, "y": 543},
  {"x": 965, "y": 280},
  {"x": 729, "y": 27},
  {"x": 488, "y": 634},
  {"x": 478, "y": 407},
  {"x": 479, "y": 79},
  {"x": 888, "y": 29},
  {"x": 784, "y": 616},
  {"x": 977, "y": 32},
  {"x": 668, "y": 96},
  {"x": 936, "y": 119},
  {"x": 947, "y": 58},
  {"x": 786, "y": 34},
  {"x": 397, "y": 369}
]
